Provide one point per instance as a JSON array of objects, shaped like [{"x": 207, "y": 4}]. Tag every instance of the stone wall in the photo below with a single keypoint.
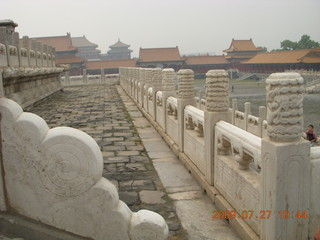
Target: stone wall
[
  {"x": 247, "y": 164},
  {"x": 28, "y": 72},
  {"x": 89, "y": 79}
]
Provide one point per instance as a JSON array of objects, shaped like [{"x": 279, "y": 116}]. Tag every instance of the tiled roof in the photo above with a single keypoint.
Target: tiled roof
[
  {"x": 242, "y": 45},
  {"x": 119, "y": 44},
  {"x": 294, "y": 56},
  {"x": 206, "y": 60},
  {"x": 110, "y": 64},
  {"x": 159, "y": 54},
  {"x": 70, "y": 59},
  {"x": 61, "y": 43},
  {"x": 82, "y": 42}
]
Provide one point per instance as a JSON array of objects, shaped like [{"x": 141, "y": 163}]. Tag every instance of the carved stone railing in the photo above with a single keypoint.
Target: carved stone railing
[
  {"x": 28, "y": 71},
  {"x": 314, "y": 217},
  {"x": 193, "y": 136},
  {"x": 89, "y": 79},
  {"x": 251, "y": 163},
  {"x": 55, "y": 176},
  {"x": 248, "y": 122},
  {"x": 236, "y": 169}
]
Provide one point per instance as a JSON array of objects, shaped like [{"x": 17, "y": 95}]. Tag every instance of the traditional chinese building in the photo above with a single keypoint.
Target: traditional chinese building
[
  {"x": 65, "y": 52},
  {"x": 202, "y": 64},
  {"x": 86, "y": 49},
  {"x": 307, "y": 59},
  {"x": 119, "y": 50},
  {"x": 161, "y": 57},
  {"x": 109, "y": 66},
  {"x": 241, "y": 50}
]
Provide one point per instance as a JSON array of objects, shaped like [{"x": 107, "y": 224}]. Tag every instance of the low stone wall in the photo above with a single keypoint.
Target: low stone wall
[
  {"x": 28, "y": 71},
  {"x": 257, "y": 165},
  {"x": 89, "y": 79}
]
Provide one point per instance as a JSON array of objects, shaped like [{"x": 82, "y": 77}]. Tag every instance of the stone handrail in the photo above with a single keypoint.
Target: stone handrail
[
  {"x": 55, "y": 176},
  {"x": 194, "y": 118},
  {"x": 252, "y": 162},
  {"x": 89, "y": 79}
]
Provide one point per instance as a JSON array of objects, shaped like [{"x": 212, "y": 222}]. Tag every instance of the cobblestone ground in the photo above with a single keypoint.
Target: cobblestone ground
[{"x": 99, "y": 111}]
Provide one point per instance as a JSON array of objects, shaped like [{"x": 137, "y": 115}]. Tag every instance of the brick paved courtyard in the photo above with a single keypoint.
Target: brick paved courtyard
[{"x": 99, "y": 111}]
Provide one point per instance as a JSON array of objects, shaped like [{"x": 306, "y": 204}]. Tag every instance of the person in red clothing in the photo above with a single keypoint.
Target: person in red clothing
[{"x": 311, "y": 135}]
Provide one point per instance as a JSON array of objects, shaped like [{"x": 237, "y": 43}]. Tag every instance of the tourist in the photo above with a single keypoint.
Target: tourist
[{"x": 311, "y": 135}]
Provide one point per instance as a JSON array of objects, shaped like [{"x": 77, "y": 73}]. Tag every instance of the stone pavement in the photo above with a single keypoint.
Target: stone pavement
[
  {"x": 99, "y": 111},
  {"x": 137, "y": 160}
]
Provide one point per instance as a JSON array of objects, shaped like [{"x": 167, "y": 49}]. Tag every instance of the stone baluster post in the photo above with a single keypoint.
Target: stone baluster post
[
  {"x": 26, "y": 45},
  {"x": 285, "y": 160},
  {"x": 262, "y": 117},
  {"x": 217, "y": 109},
  {"x": 51, "y": 52},
  {"x": 85, "y": 77},
  {"x": 45, "y": 55},
  {"x": 136, "y": 84},
  {"x": 234, "y": 109},
  {"x": 39, "y": 54},
  {"x": 185, "y": 97},
  {"x": 156, "y": 86},
  {"x": 103, "y": 76},
  {"x": 16, "y": 43},
  {"x": 3, "y": 36},
  {"x": 141, "y": 86},
  {"x": 53, "y": 56},
  {"x": 67, "y": 79},
  {"x": 148, "y": 84},
  {"x": 247, "y": 112},
  {"x": 168, "y": 90}
]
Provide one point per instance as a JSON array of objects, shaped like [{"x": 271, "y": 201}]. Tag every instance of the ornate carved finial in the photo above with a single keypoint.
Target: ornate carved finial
[
  {"x": 186, "y": 84},
  {"x": 156, "y": 77},
  {"x": 285, "y": 106},
  {"x": 168, "y": 79},
  {"x": 217, "y": 91}
]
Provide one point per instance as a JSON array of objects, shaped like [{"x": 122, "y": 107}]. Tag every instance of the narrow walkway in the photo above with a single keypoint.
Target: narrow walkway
[{"x": 136, "y": 159}]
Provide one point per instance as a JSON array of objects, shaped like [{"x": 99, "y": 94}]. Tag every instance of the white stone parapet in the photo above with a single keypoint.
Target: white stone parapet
[{"x": 55, "y": 176}]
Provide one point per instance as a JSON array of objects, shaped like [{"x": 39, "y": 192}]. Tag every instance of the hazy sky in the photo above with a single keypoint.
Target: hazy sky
[{"x": 195, "y": 26}]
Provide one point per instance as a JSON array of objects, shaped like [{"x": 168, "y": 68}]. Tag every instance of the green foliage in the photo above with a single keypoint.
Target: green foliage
[
  {"x": 304, "y": 43},
  {"x": 264, "y": 49}
]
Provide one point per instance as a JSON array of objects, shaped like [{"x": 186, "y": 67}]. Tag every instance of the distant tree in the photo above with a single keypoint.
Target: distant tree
[
  {"x": 304, "y": 43},
  {"x": 264, "y": 49}
]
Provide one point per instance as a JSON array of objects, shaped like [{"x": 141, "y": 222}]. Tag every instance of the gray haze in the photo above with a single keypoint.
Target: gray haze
[{"x": 195, "y": 26}]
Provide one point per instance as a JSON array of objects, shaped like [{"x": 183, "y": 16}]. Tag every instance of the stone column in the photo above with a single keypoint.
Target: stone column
[
  {"x": 285, "y": 160},
  {"x": 85, "y": 77},
  {"x": 217, "y": 109},
  {"x": 185, "y": 97},
  {"x": 103, "y": 76},
  {"x": 168, "y": 90}
]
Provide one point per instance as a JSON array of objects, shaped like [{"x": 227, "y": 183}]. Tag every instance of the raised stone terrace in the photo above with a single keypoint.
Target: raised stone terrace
[{"x": 136, "y": 159}]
